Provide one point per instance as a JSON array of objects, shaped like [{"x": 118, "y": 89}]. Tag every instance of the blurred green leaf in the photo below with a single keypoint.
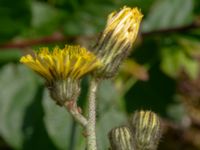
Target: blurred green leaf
[
  {"x": 87, "y": 20},
  {"x": 15, "y": 17},
  {"x": 175, "y": 60},
  {"x": 21, "y": 113},
  {"x": 15, "y": 80},
  {"x": 191, "y": 46},
  {"x": 134, "y": 69},
  {"x": 177, "y": 112},
  {"x": 168, "y": 13},
  {"x": 64, "y": 133},
  {"x": 9, "y": 55},
  {"x": 46, "y": 19},
  {"x": 197, "y": 5},
  {"x": 144, "y": 5}
]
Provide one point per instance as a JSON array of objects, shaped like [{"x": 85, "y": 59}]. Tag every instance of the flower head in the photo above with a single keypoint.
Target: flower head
[
  {"x": 117, "y": 39},
  {"x": 62, "y": 68},
  {"x": 146, "y": 127},
  {"x": 121, "y": 138},
  {"x": 59, "y": 64}
]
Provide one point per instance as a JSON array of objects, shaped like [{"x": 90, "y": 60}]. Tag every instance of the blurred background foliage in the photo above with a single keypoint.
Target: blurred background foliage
[{"x": 162, "y": 73}]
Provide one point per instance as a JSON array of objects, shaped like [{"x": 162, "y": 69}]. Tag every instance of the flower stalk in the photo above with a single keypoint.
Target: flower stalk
[
  {"x": 75, "y": 111},
  {"x": 91, "y": 126}
]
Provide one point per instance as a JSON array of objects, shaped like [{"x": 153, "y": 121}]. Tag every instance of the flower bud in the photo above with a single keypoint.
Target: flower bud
[
  {"x": 117, "y": 39},
  {"x": 146, "y": 128},
  {"x": 121, "y": 138}
]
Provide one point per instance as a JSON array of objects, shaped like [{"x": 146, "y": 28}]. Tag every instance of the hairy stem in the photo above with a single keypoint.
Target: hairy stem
[
  {"x": 75, "y": 111},
  {"x": 91, "y": 126}
]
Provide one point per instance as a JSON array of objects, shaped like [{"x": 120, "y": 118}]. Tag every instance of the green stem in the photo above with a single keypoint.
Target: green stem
[
  {"x": 91, "y": 126},
  {"x": 73, "y": 109}
]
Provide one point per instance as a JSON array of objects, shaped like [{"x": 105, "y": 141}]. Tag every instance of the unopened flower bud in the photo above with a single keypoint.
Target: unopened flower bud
[
  {"x": 146, "y": 128},
  {"x": 121, "y": 138},
  {"x": 117, "y": 39}
]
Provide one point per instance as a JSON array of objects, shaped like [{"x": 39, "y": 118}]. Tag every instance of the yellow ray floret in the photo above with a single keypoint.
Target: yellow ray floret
[{"x": 69, "y": 62}]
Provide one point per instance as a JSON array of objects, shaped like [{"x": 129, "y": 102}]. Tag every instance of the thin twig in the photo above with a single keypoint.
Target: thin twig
[
  {"x": 59, "y": 37},
  {"x": 91, "y": 127},
  {"x": 54, "y": 38},
  {"x": 193, "y": 25},
  {"x": 74, "y": 110}
]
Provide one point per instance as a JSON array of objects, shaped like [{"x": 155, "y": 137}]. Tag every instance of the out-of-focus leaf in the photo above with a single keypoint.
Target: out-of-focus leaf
[
  {"x": 197, "y": 5},
  {"x": 9, "y": 55},
  {"x": 15, "y": 17},
  {"x": 46, "y": 19},
  {"x": 136, "y": 70},
  {"x": 143, "y": 5},
  {"x": 168, "y": 14},
  {"x": 87, "y": 20},
  {"x": 191, "y": 46},
  {"x": 110, "y": 112},
  {"x": 177, "y": 112},
  {"x": 17, "y": 90},
  {"x": 21, "y": 112},
  {"x": 174, "y": 61},
  {"x": 64, "y": 133},
  {"x": 130, "y": 72}
]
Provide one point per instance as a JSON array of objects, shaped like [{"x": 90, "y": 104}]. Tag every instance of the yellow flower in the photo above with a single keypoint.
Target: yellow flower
[
  {"x": 62, "y": 69},
  {"x": 59, "y": 64},
  {"x": 117, "y": 39}
]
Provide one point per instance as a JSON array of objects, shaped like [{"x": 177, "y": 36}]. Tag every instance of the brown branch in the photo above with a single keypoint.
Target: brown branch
[
  {"x": 54, "y": 38},
  {"x": 58, "y": 37},
  {"x": 172, "y": 30}
]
